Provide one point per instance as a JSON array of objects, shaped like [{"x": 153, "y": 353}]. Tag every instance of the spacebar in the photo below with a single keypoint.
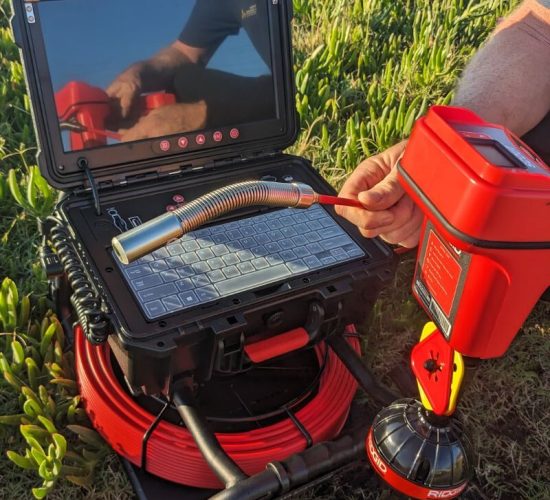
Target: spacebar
[{"x": 252, "y": 280}]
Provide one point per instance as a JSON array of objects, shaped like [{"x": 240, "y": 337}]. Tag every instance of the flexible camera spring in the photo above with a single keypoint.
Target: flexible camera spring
[{"x": 84, "y": 299}]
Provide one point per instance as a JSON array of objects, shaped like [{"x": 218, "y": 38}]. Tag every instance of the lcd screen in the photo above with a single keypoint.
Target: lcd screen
[{"x": 129, "y": 70}]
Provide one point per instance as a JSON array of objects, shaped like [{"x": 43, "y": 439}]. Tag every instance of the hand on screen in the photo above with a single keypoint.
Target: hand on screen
[
  {"x": 168, "y": 120},
  {"x": 389, "y": 212},
  {"x": 125, "y": 89}
]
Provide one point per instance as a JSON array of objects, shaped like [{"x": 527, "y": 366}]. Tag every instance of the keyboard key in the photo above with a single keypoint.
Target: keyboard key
[
  {"x": 247, "y": 231},
  {"x": 314, "y": 225},
  {"x": 275, "y": 235},
  {"x": 190, "y": 246},
  {"x": 175, "y": 249},
  {"x": 157, "y": 292},
  {"x": 154, "y": 308},
  {"x": 231, "y": 259},
  {"x": 215, "y": 276},
  {"x": 274, "y": 259},
  {"x": 234, "y": 234},
  {"x": 301, "y": 251},
  {"x": 301, "y": 228},
  {"x": 286, "y": 244},
  {"x": 274, "y": 224},
  {"x": 207, "y": 293},
  {"x": 184, "y": 285},
  {"x": 312, "y": 261},
  {"x": 335, "y": 242},
  {"x": 272, "y": 247},
  {"x": 313, "y": 236},
  {"x": 260, "y": 263},
  {"x": 159, "y": 265},
  {"x": 138, "y": 271},
  {"x": 289, "y": 231},
  {"x": 245, "y": 255},
  {"x": 249, "y": 243},
  {"x": 169, "y": 276},
  {"x": 328, "y": 260},
  {"x": 259, "y": 251},
  {"x": 161, "y": 253},
  {"x": 261, "y": 228},
  {"x": 146, "y": 282},
  {"x": 262, "y": 239},
  {"x": 329, "y": 232},
  {"x": 188, "y": 298},
  {"x": 220, "y": 250},
  {"x": 299, "y": 240},
  {"x": 245, "y": 267},
  {"x": 326, "y": 222},
  {"x": 297, "y": 266},
  {"x": 217, "y": 229},
  {"x": 215, "y": 263},
  {"x": 287, "y": 255},
  {"x": 231, "y": 271},
  {"x": 174, "y": 262},
  {"x": 314, "y": 248},
  {"x": 201, "y": 233},
  {"x": 172, "y": 303},
  {"x": 200, "y": 280},
  {"x": 185, "y": 272},
  {"x": 355, "y": 252},
  {"x": 200, "y": 267},
  {"x": 205, "y": 242},
  {"x": 205, "y": 254},
  {"x": 220, "y": 238},
  {"x": 252, "y": 280},
  {"x": 190, "y": 258},
  {"x": 234, "y": 246},
  {"x": 300, "y": 218}
]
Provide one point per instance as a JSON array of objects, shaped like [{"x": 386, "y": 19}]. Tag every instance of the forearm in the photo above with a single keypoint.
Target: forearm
[
  {"x": 157, "y": 73},
  {"x": 508, "y": 80}
]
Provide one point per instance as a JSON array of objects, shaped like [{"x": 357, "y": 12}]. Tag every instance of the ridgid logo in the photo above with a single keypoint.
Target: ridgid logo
[
  {"x": 375, "y": 456},
  {"x": 445, "y": 494}
]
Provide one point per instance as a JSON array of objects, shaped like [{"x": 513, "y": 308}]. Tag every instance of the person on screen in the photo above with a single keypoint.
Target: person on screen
[
  {"x": 206, "y": 98},
  {"x": 506, "y": 82}
]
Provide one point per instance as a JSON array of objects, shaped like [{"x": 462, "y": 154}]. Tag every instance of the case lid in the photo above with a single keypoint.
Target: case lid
[{"x": 129, "y": 87}]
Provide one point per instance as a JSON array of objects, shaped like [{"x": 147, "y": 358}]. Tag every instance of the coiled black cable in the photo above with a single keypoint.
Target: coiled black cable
[{"x": 84, "y": 299}]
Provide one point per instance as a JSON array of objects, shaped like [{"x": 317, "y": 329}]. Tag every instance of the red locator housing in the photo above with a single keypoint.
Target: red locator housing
[{"x": 484, "y": 254}]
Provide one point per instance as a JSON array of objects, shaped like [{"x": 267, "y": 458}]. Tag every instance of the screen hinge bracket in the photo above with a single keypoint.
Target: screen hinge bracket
[{"x": 83, "y": 165}]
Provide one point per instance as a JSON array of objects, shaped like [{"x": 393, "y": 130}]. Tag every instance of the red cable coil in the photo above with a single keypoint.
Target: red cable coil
[{"x": 172, "y": 454}]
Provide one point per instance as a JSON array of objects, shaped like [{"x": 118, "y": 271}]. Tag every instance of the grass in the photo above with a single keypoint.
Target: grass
[{"x": 365, "y": 70}]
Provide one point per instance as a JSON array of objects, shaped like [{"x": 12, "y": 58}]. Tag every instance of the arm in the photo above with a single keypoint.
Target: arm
[
  {"x": 152, "y": 74},
  {"x": 508, "y": 80}
]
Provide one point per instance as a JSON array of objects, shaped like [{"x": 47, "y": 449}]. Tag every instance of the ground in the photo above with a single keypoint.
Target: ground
[{"x": 365, "y": 69}]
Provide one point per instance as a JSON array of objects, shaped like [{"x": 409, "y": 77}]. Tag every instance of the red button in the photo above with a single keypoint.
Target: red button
[
  {"x": 183, "y": 142},
  {"x": 170, "y": 208},
  {"x": 178, "y": 198},
  {"x": 200, "y": 139},
  {"x": 234, "y": 133},
  {"x": 218, "y": 136},
  {"x": 164, "y": 145}
]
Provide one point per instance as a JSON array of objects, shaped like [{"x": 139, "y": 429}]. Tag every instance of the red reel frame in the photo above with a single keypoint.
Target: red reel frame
[{"x": 172, "y": 453}]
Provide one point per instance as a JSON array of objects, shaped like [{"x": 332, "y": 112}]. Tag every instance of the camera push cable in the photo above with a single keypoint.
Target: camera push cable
[{"x": 172, "y": 453}]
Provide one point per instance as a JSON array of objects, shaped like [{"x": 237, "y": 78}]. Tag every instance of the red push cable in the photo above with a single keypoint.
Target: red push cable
[
  {"x": 172, "y": 454},
  {"x": 325, "y": 199}
]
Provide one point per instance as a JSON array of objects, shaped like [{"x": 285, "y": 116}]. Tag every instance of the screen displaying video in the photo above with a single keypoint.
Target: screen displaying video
[{"x": 129, "y": 70}]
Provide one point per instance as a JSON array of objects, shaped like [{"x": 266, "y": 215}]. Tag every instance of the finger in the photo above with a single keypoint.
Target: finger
[
  {"x": 367, "y": 220},
  {"x": 405, "y": 232},
  {"x": 384, "y": 194},
  {"x": 126, "y": 99}
]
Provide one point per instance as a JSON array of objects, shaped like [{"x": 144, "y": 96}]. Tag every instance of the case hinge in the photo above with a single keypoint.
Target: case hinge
[{"x": 84, "y": 166}]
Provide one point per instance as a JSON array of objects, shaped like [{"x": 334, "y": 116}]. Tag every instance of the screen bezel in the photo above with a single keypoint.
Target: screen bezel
[{"x": 62, "y": 167}]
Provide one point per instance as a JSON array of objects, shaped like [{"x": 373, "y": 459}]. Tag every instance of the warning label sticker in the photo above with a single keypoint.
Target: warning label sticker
[
  {"x": 439, "y": 278},
  {"x": 440, "y": 272}
]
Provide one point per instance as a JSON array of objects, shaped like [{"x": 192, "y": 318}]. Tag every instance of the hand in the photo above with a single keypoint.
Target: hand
[
  {"x": 389, "y": 212},
  {"x": 168, "y": 120},
  {"x": 125, "y": 89}
]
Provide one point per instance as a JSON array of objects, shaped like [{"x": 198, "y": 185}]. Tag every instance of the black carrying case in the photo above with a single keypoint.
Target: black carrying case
[{"x": 139, "y": 179}]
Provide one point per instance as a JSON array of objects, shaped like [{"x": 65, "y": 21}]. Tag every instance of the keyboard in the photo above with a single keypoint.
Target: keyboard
[{"x": 222, "y": 260}]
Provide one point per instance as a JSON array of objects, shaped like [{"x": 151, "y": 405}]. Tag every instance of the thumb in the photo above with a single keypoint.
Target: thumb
[{"x": 383, "y": 195}]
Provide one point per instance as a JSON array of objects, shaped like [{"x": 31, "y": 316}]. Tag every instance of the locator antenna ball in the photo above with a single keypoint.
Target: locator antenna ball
[{"x": 157, "y": 232}]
